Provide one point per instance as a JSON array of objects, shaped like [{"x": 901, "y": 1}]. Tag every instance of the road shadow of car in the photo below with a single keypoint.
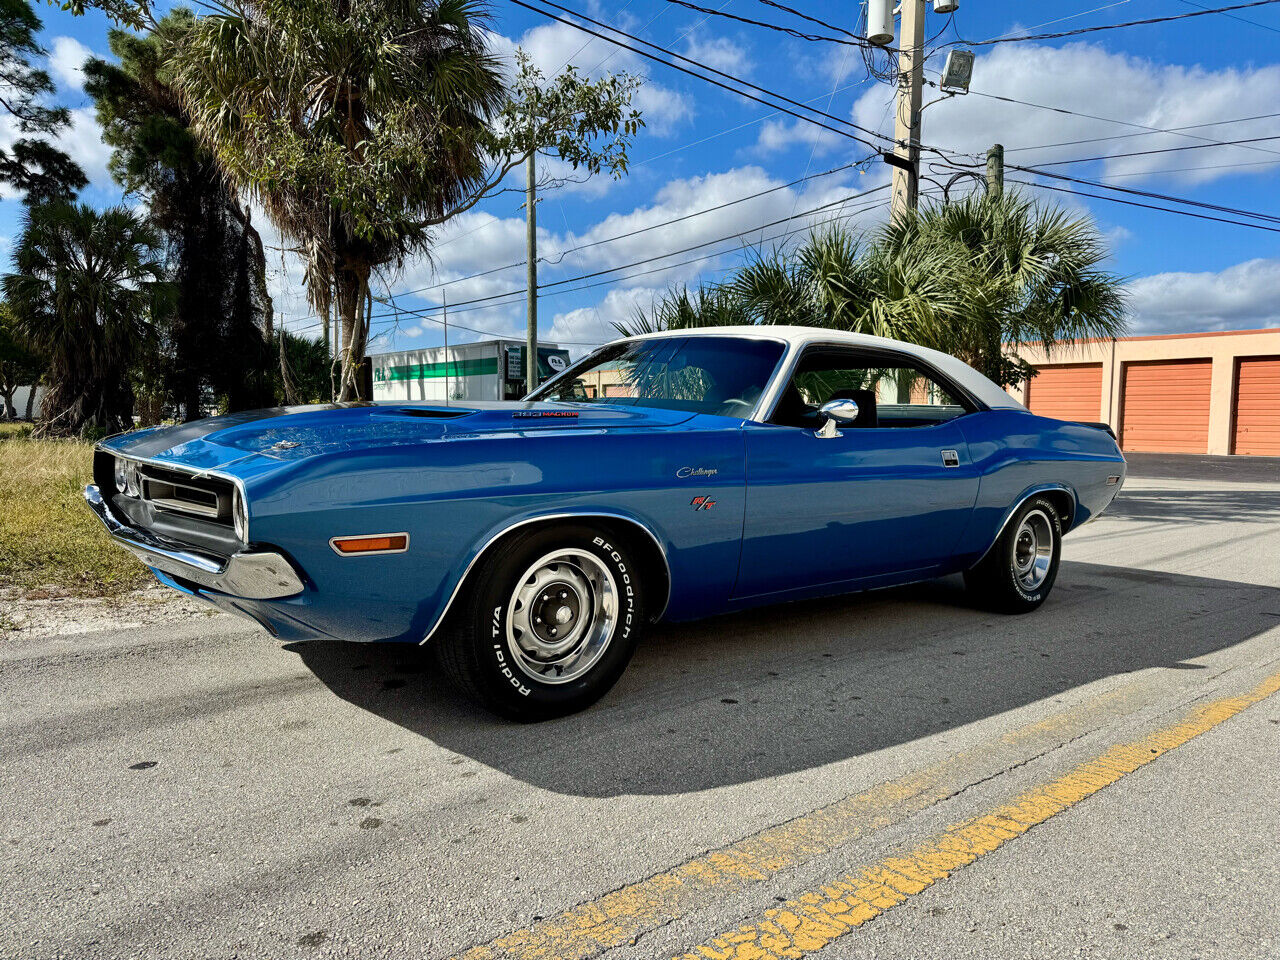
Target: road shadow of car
[{"x": 793, "y": 687}]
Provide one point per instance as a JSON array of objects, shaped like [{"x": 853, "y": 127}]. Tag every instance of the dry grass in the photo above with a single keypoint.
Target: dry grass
[{"x": 49, "y": 540}]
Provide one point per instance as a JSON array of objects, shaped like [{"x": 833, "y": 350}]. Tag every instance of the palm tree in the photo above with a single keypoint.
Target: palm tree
[
  {"x": 976, "y": 279},
  {"x": 708, "y": 306},
  {"x": 217, "y": 337},
  {"x": 1016, "y": 272},
  {"x": 350, "y": 122},
  {"x": 360, "y": 126},
  {"x": 84, "y": 293}
]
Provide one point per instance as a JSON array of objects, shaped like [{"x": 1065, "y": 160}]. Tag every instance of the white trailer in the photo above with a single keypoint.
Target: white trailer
[{"x": 487, "y": 370}]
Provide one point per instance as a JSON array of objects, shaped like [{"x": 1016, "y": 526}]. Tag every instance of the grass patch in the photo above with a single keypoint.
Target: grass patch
[{"x": 49, "y": 539}]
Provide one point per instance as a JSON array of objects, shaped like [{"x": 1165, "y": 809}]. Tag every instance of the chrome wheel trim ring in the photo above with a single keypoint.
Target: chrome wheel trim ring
[
  {"x": 1033, "y": 550},
  {"x": 562, "y": 615}
]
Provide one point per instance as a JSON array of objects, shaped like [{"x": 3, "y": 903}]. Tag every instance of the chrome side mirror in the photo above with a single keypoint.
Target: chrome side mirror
[{"x": 836, "y": 412}]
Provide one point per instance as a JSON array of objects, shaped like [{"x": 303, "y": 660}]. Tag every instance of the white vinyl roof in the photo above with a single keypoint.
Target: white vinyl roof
[{"x": 799, "y": 337}]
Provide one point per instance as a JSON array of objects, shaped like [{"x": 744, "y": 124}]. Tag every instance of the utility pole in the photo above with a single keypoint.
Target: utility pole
[
  {"x": 531, "y": 276},
  {"x": 995, "y": 170},
  {"x": 445, "y": 300},
  {"x": 906, "y": 128}
]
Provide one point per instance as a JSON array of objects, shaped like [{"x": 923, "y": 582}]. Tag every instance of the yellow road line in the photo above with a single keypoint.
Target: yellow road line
[
  {"x": 619, "y": 917},
  {"x": 814, "y": 919}
]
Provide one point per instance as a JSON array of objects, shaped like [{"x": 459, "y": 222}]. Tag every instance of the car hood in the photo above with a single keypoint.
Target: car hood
[{"x": 286, "y": 434}]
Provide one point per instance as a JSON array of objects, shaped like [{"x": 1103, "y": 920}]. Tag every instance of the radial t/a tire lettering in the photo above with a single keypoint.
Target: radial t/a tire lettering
[
  {"x": 1018, "y": 572},
  {"x": 548, "y": 622}
]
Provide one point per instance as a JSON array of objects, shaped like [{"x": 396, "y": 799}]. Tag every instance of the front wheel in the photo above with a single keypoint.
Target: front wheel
[
  {"x": 1018, "y": 572},
  {"x": 548, "y": 624}
]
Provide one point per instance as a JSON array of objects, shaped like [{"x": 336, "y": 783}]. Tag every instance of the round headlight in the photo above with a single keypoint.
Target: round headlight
[{"x": 240, "y": 517}]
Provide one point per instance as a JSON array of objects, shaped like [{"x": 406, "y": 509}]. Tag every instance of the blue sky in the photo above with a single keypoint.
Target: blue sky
[{"x": 704, "y": 147}]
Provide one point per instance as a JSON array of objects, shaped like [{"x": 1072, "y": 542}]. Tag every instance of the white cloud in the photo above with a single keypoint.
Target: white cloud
[
  {"x": 1239, "y": 297},
  {"x": 719, "y": 53},
  {"x": 777, "y": 136},
  {"x": 1090, "y": 80},
  {"x": 66, "y": 60},
  {"x": 81, "y": 140},
  {"x": 594, "y": 324}
]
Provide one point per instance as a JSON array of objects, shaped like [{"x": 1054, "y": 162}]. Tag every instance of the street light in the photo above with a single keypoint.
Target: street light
[{"x": 957, "y": 72}]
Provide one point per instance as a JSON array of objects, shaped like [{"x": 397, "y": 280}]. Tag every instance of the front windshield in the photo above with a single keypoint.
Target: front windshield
[{"x": 700, "y": 374}]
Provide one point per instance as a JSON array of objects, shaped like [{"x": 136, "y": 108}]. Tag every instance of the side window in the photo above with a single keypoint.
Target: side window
[{"x": 889, "y": 391}]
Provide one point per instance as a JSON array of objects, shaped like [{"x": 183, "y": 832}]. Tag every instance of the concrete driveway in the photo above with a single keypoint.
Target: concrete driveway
[{"x": 888, "y": 775}]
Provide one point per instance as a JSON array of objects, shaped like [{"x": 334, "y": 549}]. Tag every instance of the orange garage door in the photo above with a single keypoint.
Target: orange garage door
[
  {"x": 1257, "y": 428},
  {"x": 1165, "y": 406},
  {"x": 1070, "y": 391}
]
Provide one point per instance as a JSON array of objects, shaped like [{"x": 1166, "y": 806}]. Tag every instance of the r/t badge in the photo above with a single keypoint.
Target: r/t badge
[{"x": 702, "y": 503}]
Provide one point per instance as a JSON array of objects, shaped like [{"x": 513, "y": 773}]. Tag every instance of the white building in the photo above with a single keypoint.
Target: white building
[{"x": 487, "y": 370}]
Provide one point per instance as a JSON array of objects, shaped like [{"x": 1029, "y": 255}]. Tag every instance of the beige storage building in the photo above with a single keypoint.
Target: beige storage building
[{"x": 1215, "y": 393}]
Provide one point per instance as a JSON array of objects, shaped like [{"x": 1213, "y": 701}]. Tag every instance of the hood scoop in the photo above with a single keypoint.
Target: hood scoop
[{"x": 425, "y": 413}]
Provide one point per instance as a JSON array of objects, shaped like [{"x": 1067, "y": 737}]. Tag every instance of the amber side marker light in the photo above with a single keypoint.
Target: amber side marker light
[{"x": 370, "y": 543}]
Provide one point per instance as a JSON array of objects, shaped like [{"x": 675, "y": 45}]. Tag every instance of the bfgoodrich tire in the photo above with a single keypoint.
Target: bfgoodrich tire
[
  {"x": 1018, "y": 572},
  {"x": 547, "y": 623}
]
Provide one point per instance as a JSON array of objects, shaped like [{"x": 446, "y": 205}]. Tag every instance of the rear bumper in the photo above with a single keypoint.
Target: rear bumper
[{"x": 250, "y": 574}]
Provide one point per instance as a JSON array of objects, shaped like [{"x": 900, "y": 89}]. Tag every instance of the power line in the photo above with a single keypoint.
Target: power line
[
  {"x": 427, "y": 314},
  {"x": 1147, "y": 153},
  {"x": 740, "y": 126},
  {"x": 1236, "y": 211},
  {"x": 821, "y": 23},
  {"x": 857, "y": 41},
  {"x": 1082, "y": 13},
  {"x": 703, "y": 76},
  {"x": 1145, "y": 133},
  {"x": 1146, "y": 206},
  {"x": 1210, "y": 166},
  {"x": 1124, "y": 123},
  {"x": 632, "y": 233},
  {"x": 1254, "y": 23},
  {"x": 656, "y": 157},
  {"x": 489, "y": 302},
  {"x": 1203, "y": 12}
]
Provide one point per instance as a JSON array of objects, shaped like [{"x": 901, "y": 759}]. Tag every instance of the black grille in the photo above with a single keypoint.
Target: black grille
[{"x": 209, "y": 498}]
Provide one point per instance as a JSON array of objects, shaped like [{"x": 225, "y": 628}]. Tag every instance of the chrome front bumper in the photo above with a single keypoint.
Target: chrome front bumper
[{"x": 253, "y": 575}]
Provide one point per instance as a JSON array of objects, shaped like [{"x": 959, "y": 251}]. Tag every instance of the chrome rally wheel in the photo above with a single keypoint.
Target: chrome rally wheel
[
  {"x": 1033, "y": 550},
  {"x": 549, "y": 620},
  {"x": 562, "y": 615},
  {"x": 1019, "y": 570}
]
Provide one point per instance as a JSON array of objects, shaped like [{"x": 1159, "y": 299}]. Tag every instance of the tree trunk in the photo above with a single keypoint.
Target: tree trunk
[
  {"x": 31, "y": 399},
  {"x": 7, "y": 394},
  {"x": 353, "y": 301}
]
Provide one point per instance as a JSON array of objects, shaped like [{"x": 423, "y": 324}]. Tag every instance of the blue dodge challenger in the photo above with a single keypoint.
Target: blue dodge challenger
[{"x": 669, "y": 476}]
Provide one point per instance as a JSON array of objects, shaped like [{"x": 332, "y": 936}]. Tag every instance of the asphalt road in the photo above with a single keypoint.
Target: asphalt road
[{"x": 1096, "y": 779}]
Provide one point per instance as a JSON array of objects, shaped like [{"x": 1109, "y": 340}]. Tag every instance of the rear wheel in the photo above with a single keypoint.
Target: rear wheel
[
  {"x": 548, "y": 623},
  {"x": 1018, "y": 572}
]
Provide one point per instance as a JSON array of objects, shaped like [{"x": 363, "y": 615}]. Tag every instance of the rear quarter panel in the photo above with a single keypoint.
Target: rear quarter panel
[{"x": 1018, "y": 453}]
